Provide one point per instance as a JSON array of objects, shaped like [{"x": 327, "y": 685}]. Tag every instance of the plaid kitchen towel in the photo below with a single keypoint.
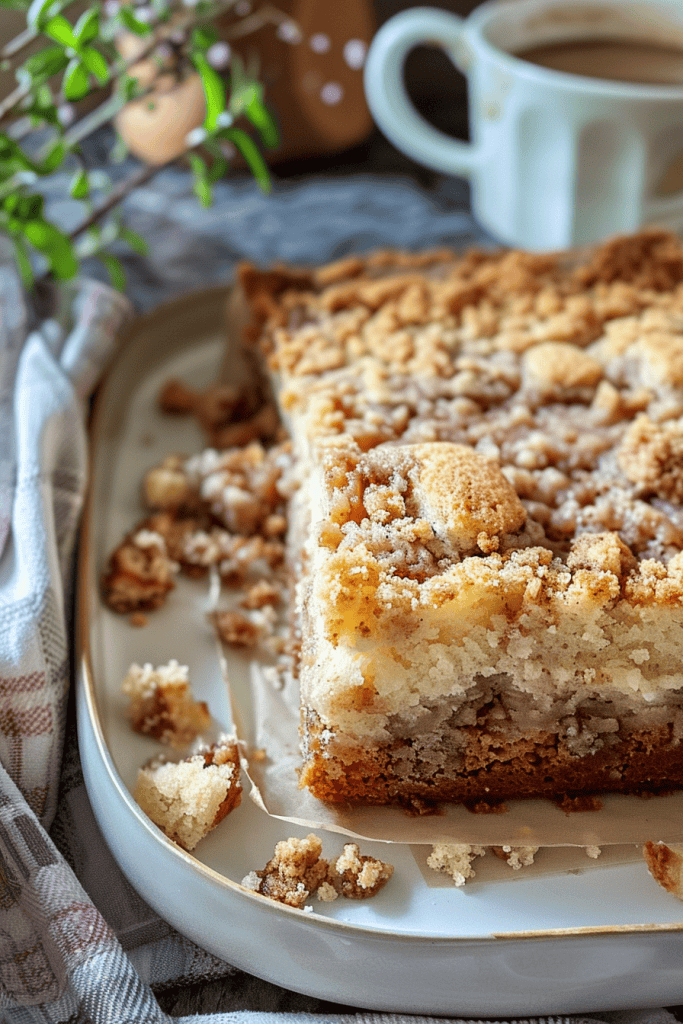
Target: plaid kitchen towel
[{"x": 77, "y": 944}]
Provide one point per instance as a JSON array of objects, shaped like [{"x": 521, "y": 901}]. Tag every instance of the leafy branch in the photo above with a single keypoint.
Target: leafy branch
[{"x": 58, "y": 62}]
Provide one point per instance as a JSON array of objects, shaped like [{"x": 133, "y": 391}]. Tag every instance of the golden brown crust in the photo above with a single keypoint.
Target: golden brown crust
[{"x": 495, "y": 768}]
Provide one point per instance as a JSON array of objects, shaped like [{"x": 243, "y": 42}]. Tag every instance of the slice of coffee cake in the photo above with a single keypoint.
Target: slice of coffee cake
[{"x": 487, "y": 535}]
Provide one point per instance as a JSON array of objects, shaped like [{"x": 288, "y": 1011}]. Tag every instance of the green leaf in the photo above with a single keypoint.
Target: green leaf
[
  {"x": 54, "y": 158},
  {"x": 50, "y": 61},
  {"x": 262, "y": 119},
  {"x": 246, "y": 98},
  {"x": 13, "y": 158},
  {"x": 59, "y": 29},
  {"x": 203, "y": 191},
  {"x": 39, "y": 233},
  {"x": 202, "y": 185},
  {"x": 87, "y": 27},
  {"x": 218, "y": 169},
  {"x": 134, "y": 240},
  {"x": 95, "y": 63},
  {"x": 203, "y": 37},
  {"x": 43, "y": 97},
  {"x": 55, "y": 246},
  {"x": 250, "y": 151},
  {"x": 214, "y": 91},
  {"x": 44, "y": 114},
  {"x": 117, "y": 275},
  {"x": 75, "y": 82},
  {"x": 129, "y": 21},
  {"x": 219, "y": 164},
  {"x": 80, "y": 186}
]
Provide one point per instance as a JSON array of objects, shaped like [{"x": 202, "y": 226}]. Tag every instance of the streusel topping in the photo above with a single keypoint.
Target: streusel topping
[{"x": 562, "y": 383}]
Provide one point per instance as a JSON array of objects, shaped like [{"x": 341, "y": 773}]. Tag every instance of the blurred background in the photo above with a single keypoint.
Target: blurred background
[{"x": 336, "y": 134}]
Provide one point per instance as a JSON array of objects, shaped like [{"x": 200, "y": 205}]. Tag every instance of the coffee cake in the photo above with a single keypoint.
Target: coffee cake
[{"x": 486, "y": 538}]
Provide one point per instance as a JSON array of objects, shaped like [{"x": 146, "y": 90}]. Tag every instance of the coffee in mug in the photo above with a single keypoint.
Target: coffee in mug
[
  {"x": 575, "y": 110},
  {"x": 614, "y": 60}
]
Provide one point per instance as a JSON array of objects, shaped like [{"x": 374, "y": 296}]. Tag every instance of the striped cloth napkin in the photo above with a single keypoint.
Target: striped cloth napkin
[{"x": 77, "y": 944}]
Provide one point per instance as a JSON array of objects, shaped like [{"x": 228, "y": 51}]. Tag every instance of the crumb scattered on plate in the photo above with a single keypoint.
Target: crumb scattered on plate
[
  {"x": 665, "y": 864},
  {"x": 455, "y": 859},
  {"x": 161, "y": 703},
  {"x": 297, "y": 870},
  {"x": 189, "y": 798}
]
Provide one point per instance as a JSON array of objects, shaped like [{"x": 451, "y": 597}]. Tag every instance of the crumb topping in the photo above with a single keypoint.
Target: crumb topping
[
  {"x": 556, "y": 391},
  {"x": 455, "y": 859},
  {"x": 161, "y": 703},
  {"x": 297, "y": 869},
  {"x": 222, "y": 509},
  {"x": 516, "y": 856},
  {"x": 359, "y": 877},
  {"x": 228, "y": 415}
]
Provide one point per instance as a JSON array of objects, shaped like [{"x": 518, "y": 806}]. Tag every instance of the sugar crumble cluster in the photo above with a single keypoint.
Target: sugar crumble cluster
[
  {"x": 220, "y": 510},
  {"x": 186, "y": 798},
  {"x": 298, "y": 870},
  {"x": 161, "y": 703}
]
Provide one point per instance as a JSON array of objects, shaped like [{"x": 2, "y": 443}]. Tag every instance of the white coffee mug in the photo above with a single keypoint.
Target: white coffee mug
[{"x": 556, "y": 159}]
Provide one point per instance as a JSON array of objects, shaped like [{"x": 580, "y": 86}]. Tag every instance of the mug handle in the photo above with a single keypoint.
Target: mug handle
[{"x": 388, "y": 99}]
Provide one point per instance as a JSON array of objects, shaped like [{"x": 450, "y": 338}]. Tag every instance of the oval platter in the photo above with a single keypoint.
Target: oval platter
[{"x": 567, "y": 935}]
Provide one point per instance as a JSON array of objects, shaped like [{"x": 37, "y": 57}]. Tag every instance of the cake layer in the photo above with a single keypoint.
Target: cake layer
[
  {"x": 487, "y": 535},
  {"x": 494, "y": 767}
]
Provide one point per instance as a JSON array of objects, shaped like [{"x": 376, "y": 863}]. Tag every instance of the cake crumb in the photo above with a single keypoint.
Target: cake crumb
[
  {"x": 593, "y": 851},
  {"x": 188, "y": 799},
  {"x": 455, "y": 859},
  {"x": 236, "y": 629},
  {"x": 167, "y": 486},
  {"x": 327, "y": 892},
  {"x": 261, "y": 594},
  {"x": 360, "y": 877},
  {"x": 577, "y": 804},
  {"x": 297, "y": 870},
  {"x": 665, "y": 864},
  {"x": 516, "y": 856},
  {"x": 140, "y": 573},
  {"x": 138, "y": 619},
  {"x": 176, "y": 398},
  {"x": 161, "y": 704},
  {"x": 486, "y": 807}
]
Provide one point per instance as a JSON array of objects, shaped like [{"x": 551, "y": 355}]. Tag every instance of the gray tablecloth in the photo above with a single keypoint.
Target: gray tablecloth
[{"x": 77, "y": 944}]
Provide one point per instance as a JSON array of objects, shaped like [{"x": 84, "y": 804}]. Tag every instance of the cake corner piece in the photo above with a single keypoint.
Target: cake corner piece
[{"x": 487, "y": 536}]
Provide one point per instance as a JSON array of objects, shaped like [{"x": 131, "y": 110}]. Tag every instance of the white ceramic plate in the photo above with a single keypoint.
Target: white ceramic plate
[{"x": 572, "y": 935}]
